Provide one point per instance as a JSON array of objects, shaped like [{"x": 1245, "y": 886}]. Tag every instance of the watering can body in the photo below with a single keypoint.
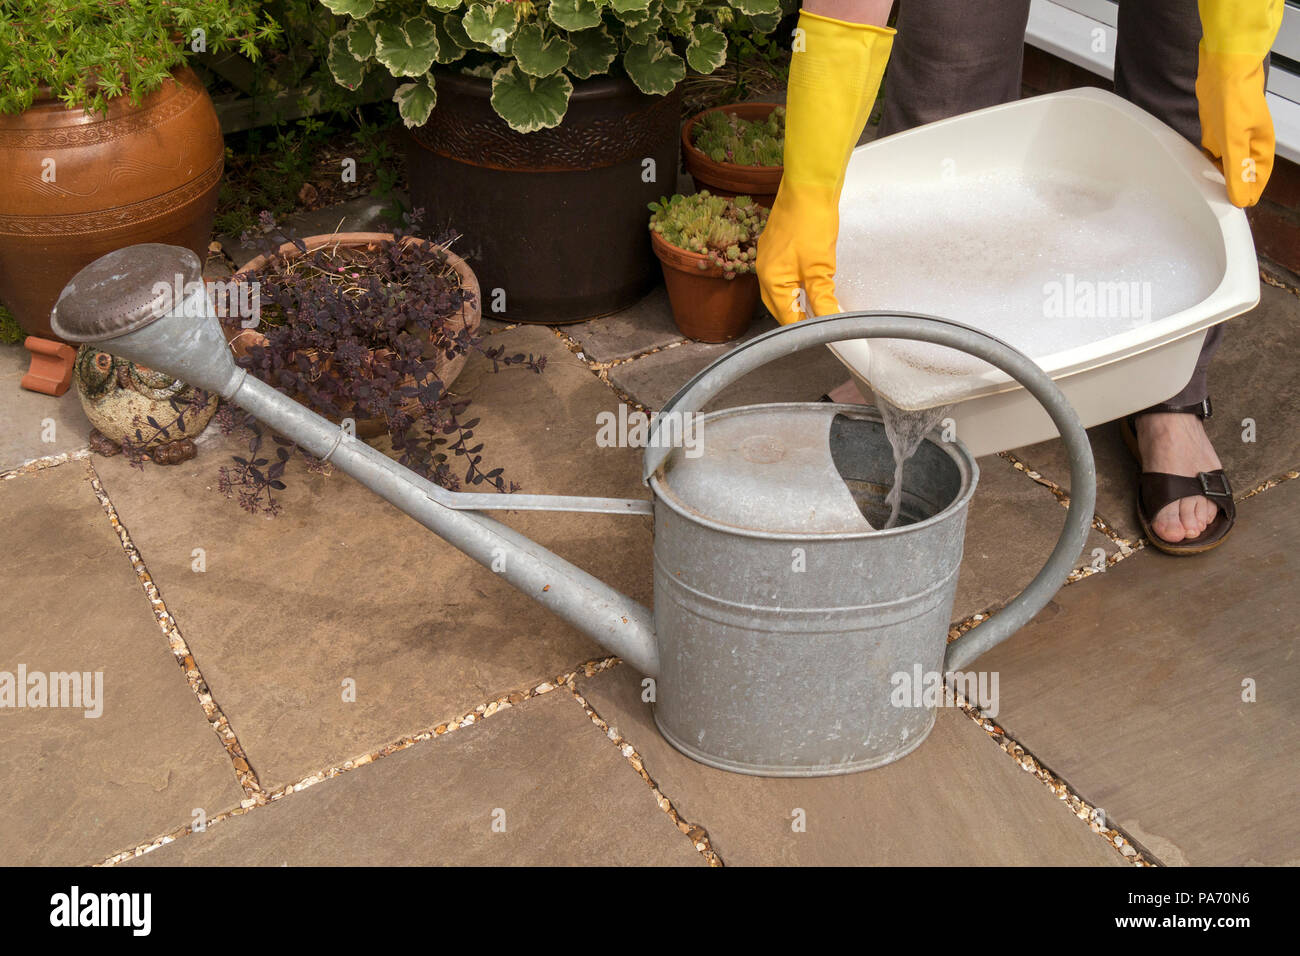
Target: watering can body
[
  {"x": 781, "y": 618},
  {"x": 782, "y": 636}
]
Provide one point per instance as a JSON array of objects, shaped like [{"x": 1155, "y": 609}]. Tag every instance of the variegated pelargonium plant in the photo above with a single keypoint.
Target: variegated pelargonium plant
[{"x": 533, "y": 50}]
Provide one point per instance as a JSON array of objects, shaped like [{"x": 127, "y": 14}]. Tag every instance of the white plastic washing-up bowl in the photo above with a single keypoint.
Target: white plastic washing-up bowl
[{"x": 1106, "y": 370}]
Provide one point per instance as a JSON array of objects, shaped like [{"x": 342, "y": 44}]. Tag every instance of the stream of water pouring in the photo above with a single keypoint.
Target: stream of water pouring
[{"x": 905, "y": 430}]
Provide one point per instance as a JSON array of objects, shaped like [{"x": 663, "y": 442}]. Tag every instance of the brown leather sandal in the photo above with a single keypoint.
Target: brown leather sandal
[{"x": 1157, "y": 489}]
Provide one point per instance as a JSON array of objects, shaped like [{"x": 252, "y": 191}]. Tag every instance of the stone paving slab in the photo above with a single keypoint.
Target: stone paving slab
[
  {"x": 341, "y": 585},
  {"x": 646, "y": 325},
  {"x": 31, "y": 417},
  {"x": 563, "y": 792},
  {"x": 957, "y": 800},
  {"x": 78, "y": 789},
  {"x": 1130, "y": 686},
  {"x": 802, "y": 377},
  {"x": 1011, "y": 529},
  {"x": 1250, "y": 377}
]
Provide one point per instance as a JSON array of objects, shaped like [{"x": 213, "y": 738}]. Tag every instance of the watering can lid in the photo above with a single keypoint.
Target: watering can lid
[
  {"x": 116, "y": 293},
  {"x": 762, "y": 468}
]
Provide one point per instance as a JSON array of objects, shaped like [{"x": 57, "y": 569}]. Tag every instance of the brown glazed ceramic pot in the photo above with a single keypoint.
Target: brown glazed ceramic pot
[
  {"x": 553, "y": 221},
  {"x": 77, "y": 185}
]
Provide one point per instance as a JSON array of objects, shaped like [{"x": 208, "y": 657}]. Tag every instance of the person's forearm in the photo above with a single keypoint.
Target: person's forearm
[{"x": 875, "y": 12}]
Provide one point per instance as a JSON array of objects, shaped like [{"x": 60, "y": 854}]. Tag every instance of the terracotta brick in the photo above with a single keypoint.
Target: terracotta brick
[
  {"x": 1045, "y": 73},
  {"x": 1283, "y": 187},
  {"x": 1277, "y": 234}
]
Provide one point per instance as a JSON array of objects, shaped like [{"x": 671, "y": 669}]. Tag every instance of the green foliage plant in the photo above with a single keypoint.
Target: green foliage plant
[{"x": 534, "y": 50}]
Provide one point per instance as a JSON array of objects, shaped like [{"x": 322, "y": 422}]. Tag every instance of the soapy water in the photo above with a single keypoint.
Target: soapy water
[
  {"x": 905, "y": 431},
  {"x": 1043, "y": 261}
]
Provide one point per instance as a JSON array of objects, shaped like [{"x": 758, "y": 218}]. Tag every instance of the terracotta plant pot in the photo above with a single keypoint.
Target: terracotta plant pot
[
  {"x": 707, "y": 306},
  {"x": 77, "y": 185},
  {"x": 554, "y": 219},
  {"x": 242, "y": 340},
  {"x": 730, "y": 179}
]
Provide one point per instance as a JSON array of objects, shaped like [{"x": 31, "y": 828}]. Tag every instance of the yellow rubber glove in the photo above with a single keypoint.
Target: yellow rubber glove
[
  {"x": 1236, "y": 128},
  {"x": 835, "y": 74}
]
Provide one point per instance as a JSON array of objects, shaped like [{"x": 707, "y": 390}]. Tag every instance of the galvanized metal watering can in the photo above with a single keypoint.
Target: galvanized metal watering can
[{"x": 780, "y": 616}]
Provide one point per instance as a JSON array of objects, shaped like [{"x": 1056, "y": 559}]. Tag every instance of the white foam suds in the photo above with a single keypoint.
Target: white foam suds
[{"x": 1046, "y": 262}]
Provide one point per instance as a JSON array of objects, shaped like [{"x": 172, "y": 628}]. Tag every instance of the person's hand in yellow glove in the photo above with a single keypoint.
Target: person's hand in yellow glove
[
  {"x": 1236, "y": 128},
  {"x": 835, "y": 74}
]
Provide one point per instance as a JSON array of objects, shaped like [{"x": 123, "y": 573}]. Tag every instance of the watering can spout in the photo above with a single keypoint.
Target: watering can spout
[{"x": 115, "y": 303}]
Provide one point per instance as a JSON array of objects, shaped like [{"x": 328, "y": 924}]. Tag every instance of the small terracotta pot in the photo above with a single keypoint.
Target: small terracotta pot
[
  {"x": 242, "y": 340},
  {"x": 707, "y": 306},
  {"x": 731, "y": 179}
]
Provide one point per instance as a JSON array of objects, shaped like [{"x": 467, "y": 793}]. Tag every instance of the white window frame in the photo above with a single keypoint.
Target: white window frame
[{"x": 1069, "y": 29}]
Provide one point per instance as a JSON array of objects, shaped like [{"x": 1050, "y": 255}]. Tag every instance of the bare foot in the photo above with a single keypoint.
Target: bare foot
[
  {"x": 1176, "y": 444},
  {"x": 846, "y": 394}
]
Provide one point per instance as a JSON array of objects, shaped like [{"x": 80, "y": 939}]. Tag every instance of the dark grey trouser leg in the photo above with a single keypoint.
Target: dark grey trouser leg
[
  {"x": 952, "y": 56},
  {"x": 1155, "y": 68}
]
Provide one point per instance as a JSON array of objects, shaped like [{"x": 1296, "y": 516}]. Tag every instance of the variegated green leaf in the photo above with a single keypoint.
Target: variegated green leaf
[
  {"x": 654, "y": 67},
  {"x": 444, "y": 4},
  {"x": 361, "y": 39},
  {"x": 346, "y": 69},
  {"x": 538, "y": 54},
  {"x": 642, "y": 31},
  {"x": 574, "y": 14},
  {"x": 765, "y": 22},
  {"x": 680, "y": 22},
  {"x": 621, "y": 7},
  {"x": 352, "y": 8},
  {"x": 753, "y": 7},
  {"x": 708, "y": 48},
  {"x": 408, "y": 49},
  {"x": 449, "y": 47},
  {"x": 529, "y": 103},
  {"x": 593, "y": 51},
  {"x": 415, "y": 101},
  {"x": 492, "y": 24},
  {"x": 456, "y": 30}
]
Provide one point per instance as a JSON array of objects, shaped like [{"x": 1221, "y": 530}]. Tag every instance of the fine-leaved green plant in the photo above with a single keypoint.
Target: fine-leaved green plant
[{"x": 87, "y": 52}]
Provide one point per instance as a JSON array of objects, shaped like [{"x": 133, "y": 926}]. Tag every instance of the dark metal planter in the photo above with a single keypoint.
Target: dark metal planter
[{"x": 556, "y": 219}]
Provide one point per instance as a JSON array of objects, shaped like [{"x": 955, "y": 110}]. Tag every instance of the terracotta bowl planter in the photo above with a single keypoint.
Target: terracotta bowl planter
[
  {"x": 730, "y": 179},
  {"x": 147, "y": 173},
  {"x": 242, "y": 340},
  {"x": 707, "y": 306}
]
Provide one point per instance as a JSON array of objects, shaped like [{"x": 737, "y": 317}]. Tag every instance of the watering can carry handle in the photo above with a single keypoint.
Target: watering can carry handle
[{"x": 925, "y": 328}]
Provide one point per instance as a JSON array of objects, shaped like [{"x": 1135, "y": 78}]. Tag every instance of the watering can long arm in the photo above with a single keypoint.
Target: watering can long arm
[
  {"x": 114, "y": 303},
  {"x": 616, "y": 622}
]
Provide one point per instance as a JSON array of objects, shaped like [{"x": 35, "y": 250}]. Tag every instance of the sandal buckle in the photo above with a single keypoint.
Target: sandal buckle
[
  {"x": 1206, "y": 408},
  {"x": 1211, "y": 493}
]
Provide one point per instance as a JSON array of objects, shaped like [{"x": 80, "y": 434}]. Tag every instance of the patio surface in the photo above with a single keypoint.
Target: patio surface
[{"x": 1147, "y": 714}]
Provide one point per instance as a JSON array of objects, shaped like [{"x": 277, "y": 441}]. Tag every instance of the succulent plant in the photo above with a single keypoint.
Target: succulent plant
[
  {"x": 724, "y": 231},
  {"x": 727, "y": 138},
  {"x": 533, "y": 50}
]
